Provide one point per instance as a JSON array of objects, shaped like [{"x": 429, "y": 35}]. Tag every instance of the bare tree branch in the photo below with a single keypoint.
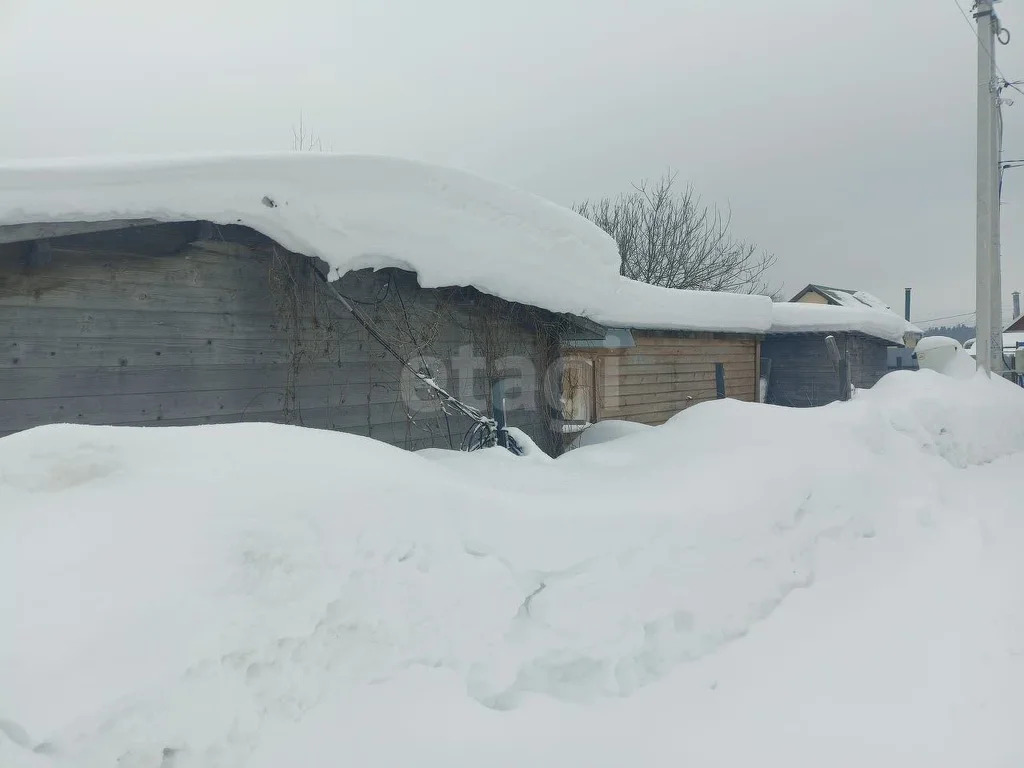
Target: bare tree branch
[
  {"x": 670, "y": 237},
  {"x": 305, "y": 141}
]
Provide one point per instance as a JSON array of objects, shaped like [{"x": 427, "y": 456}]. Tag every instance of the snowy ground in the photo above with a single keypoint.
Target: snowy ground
[{"x": 744, "y": 585}]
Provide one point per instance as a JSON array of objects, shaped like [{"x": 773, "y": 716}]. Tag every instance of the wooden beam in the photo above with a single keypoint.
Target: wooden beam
[
  {"x": 757, "y": 371},
  {"x": 583, "y": 328},
  {"x": 14, "y": 233}
]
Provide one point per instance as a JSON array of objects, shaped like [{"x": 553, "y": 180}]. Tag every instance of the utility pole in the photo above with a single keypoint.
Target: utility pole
[{"x": 989, "y": 345}]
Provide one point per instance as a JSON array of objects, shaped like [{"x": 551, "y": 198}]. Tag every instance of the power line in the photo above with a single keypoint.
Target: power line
[
  {"x": 945, "y": 317},
  {"x": 485, "y": 431},
  {"x": 1006, "y": 82},
  {"x": 991, "y": 53},
  {"x": 953, "y": 317}
]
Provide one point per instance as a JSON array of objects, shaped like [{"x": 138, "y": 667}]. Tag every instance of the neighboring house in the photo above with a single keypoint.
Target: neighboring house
[
  {"x": 898, "y": 357},
  {"x": 202, "y": 291},
  {"x": 794, "y": 356},
  {"x": 839, "y": 297}
]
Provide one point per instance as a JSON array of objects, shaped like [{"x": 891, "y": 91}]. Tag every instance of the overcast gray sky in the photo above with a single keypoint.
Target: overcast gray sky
[{"x": 841, "y": 133}]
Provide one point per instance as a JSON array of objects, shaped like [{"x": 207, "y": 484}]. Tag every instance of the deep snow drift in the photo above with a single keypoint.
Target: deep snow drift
[{"x": 744, "y": 585}]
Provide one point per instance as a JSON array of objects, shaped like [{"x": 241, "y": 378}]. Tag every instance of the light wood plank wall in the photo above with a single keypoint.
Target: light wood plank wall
[{"x": 668, "y": 372}]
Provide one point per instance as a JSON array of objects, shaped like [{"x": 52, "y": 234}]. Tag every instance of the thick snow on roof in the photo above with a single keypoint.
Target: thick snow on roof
[
  {"x": 859, "y": 299},
  {"x": 353, "y": 212},
  {"x": 792, "y": 317},
  {"x": 847, "y": 297}
]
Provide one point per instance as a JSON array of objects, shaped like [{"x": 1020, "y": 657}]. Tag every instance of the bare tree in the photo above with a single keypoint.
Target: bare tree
[
  {"x": 303, "y": 140},
  {"x": 672, "y": 238}
]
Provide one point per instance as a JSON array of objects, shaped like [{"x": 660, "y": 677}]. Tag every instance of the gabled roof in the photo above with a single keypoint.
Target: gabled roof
[
  {"x": 843, "y": 297},
  {"x": 847, "y": 310},
  {"x": 1016, "y": 325}
]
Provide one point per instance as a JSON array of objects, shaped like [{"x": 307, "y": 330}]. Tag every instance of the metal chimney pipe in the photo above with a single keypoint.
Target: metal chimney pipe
[
  {"x": 906, "y": 309},
  {"x": 1016, "y": 304}
]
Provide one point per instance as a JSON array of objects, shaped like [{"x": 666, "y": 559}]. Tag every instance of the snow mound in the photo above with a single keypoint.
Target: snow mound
[
  {"x": 611, "y": 429},
  {"x": 795, "y": 317},
  {"x": 935, "y": 419},
  {"x": 218, "y": 595},
  {"x": 449, "y": 227}
]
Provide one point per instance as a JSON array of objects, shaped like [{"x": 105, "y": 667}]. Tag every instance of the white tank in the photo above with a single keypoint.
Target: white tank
[{"x": 945, "y": 355}]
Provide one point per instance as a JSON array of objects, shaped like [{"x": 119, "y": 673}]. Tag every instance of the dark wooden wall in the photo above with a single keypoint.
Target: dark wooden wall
[
  {"x": 187, "y": 324},
  {"x": 801, "y": 374}
]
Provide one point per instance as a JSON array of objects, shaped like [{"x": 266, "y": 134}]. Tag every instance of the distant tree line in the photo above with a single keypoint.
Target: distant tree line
[{"x": 961, "y": 332}]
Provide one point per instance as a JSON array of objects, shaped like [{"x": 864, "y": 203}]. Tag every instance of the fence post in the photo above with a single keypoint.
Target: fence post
[
  {"x": 720, "y": 380},
  {"x": 841, "y": 366}
]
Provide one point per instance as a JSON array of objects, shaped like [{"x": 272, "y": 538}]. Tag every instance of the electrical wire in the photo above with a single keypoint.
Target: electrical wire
[
  {"x": 1005, "y": 81},
  {"x": 382, "y": 294},
  {"x": 999, "y": 153},
  {"x": 501, "y": 435},
  {"x": 992, "y": 54},
  {"x": 483, "y": 434},
  {"x": 946, "y": 317},
  {"x": 423, "y": 362}
]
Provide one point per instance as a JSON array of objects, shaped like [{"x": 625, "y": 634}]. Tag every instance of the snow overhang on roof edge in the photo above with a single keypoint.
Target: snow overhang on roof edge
[{"x": 354, "y": 212}]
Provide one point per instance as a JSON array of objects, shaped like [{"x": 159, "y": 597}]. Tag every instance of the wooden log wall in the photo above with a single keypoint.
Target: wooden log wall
[{"x": 183, "y": 324}]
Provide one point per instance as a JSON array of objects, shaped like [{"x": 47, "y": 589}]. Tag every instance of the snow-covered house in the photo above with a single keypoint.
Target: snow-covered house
[
  {"x": 205, "y": 290},
  {"x": 838, "y": 297},
  {"x": 795, "y": 361}
]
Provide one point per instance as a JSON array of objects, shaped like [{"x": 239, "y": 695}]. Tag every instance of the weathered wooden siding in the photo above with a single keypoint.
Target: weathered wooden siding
[
  {"x": 154, "y": 327},
  {"x": 667, "y": 372},
  {"x": 802, "y": 375}
]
